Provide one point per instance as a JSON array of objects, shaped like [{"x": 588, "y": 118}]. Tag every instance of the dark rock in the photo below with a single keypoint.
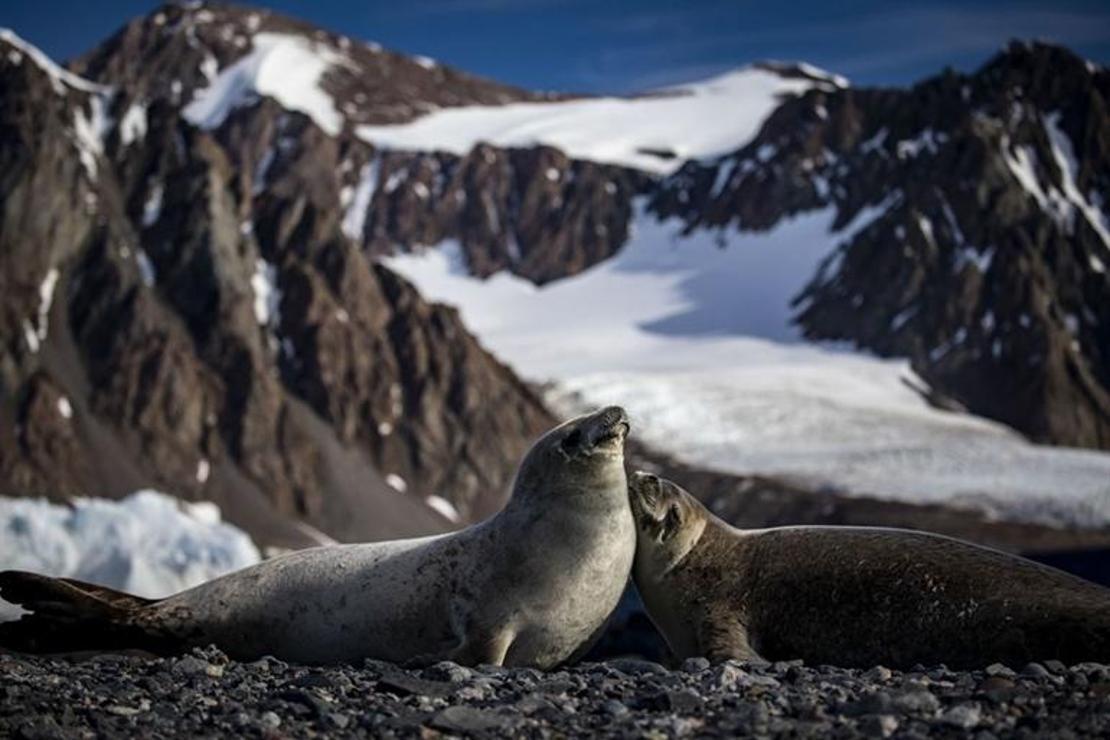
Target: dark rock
[
  {"x": 695, "y": 665},
  {"x": 964, "y": 716},
  {"x": 1035, "y": 670},
  {"x": 878, "y": 725},
  {"x": 918, "y": 701},
  {"x": 997, "y": 688},
  {"x": 470, "y": 721},
  {"x": 406, "y": 685},
  {"x": 633, "y": 667}
]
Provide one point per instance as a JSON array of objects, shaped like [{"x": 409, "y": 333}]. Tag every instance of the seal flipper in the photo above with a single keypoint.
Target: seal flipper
[
  {"x": 722, "y": 637},
  {"x": 490, "y": 651},
  {"x": 68, "y": 615}
]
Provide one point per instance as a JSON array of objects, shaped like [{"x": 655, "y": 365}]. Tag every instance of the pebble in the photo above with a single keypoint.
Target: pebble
[
  {"x": 878, "y": 725},
  {"x": 997, "y": 669},
  {"x": 965, "y": 716},
  {"x": 190, "y": 666},
  {"x": 110, "y": 697},
  {"x": 917, "y": 701},
  {"x": 695, "y": 665},
  {"x": 1035, "y": 670}
]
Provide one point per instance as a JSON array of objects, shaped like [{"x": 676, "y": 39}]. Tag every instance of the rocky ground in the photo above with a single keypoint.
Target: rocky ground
[{"x": 205, "y": 694}]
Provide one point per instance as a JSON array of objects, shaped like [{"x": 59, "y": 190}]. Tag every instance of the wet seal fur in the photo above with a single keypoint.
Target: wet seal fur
[
  {"x": 851, "y": 596},
  {"x": 531, "y": 586}
]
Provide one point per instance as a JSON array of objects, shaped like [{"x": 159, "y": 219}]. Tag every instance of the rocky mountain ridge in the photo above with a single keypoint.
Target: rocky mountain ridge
[{"x": 979, "y": 200}]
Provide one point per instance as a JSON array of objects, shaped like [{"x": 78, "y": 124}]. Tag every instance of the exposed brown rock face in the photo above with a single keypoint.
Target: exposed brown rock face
[{"x": 999, "y": 292}]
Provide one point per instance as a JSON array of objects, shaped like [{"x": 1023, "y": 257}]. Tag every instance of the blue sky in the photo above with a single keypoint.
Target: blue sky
[{"x": 628, "y": 45}]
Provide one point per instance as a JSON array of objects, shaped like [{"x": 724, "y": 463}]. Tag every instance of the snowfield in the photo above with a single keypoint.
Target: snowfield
[
  {"x": 695, "y": 340},
  {"x": 701, "y": 119},
  {"x": 148, "y": 543},
  {"x": 654, "y": 132}
]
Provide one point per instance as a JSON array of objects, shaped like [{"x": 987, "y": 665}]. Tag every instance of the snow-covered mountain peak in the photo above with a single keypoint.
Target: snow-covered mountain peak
[
  {"x": 15, "y": 50},
  {"x": 286, "y": 67},
  {"x": 212, "y": 59}
]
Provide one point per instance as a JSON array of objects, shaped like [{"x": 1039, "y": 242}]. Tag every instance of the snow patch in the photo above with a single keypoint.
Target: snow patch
[
  {"x": 204, "y": 469},
  {"x": 146, "y": 267},
  {"x": 148, "y": 543},
  {"x": 152, "y": 207},
  {"x": 972, "y": 256},
  {"x": 133, "y": 125},
  {"x": 89, "y": 130},
  {"x": 723, "y": 177},
  {"x": 869, "y": 214},
  {"x": 928, "y": 140},
  {"x": 1064, "y": 154},
  {"x": 267, "y": 295},
  {"x": 36, "y": 333},
  {"x": 875, "y": 143},
  {"x": 444, "y": 507},
  {"x": 287, "y": 68},
  {"x": 354, "y": 218}
]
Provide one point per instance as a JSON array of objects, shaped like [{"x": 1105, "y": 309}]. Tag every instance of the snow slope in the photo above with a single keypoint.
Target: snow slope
[
  {"x": 696, "y": 342},
  {"x": 148, "y": 543},
  {"x": 691, "y": 121}
]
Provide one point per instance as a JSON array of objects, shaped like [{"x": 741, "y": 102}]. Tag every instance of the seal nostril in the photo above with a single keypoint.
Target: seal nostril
[{"x": 612, "y": 415}]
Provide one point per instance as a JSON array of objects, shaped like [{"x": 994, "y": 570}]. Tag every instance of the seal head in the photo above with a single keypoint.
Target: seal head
[
  {"x": 582, "y": 456},
  {"x": 669, "y": 522}
]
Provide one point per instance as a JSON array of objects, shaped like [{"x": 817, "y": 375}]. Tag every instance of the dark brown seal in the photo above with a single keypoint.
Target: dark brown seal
[{"x": 851, "y": 596}]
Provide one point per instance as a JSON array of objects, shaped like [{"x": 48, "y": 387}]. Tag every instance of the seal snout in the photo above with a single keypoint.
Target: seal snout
[
  {"x": 611, "y": 423},
  {"x": 645, "y": 489}
]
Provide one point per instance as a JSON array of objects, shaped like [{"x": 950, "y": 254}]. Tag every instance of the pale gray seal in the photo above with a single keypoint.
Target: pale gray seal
[
  {"x": 851, "y": 596},
  {"x": 530, "y": 586}
]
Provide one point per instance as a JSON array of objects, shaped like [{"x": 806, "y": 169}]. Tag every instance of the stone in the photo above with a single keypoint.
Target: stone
[
  {"x": 695, "y": 665},
  {"x": 878, "y": 725},
  {"x": 918, "y": 701},
  {"x": 964, "y": 716},
  {"x": 190, "y": 666},
  {"x": 270, "y": 719},
  {"x": 1035, "y": 670},
  {"x": 878, "y": 673},
  {"x": 997, "y": 669},
  {"x": 635, "y": 667},
  {"x": 463, "y": 719}
]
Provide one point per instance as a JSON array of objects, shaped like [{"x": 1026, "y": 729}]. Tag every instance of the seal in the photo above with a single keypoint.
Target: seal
[
  {"x": 851, "y": 596},
  {"x": 531, "y": 586}
]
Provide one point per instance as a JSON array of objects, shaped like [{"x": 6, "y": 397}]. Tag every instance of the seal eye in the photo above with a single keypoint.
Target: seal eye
[
  {"x": 671, "y": 522},
  {"x": 572, "y": 440}
]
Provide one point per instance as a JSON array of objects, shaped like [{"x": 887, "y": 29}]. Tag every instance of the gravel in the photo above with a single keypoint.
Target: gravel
[{"x": 206, "y": 694}]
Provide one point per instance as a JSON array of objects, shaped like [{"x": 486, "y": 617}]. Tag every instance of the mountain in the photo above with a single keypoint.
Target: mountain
[
  {"x": 223, "y": 230},
  {"x": 980, "y": 201},
  {"x": 167, "y": 323}
]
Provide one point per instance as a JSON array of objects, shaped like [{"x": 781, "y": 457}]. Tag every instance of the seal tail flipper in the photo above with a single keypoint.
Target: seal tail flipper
[{"x": 69, "y": 616}]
